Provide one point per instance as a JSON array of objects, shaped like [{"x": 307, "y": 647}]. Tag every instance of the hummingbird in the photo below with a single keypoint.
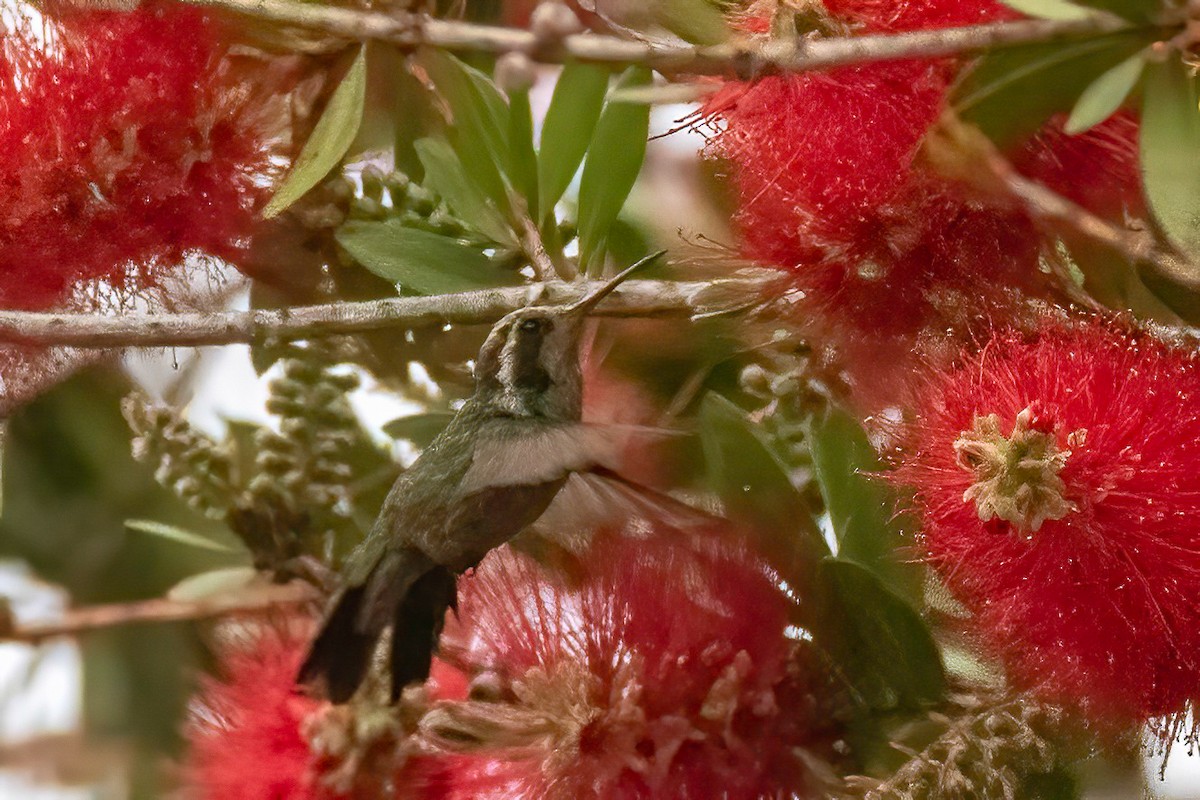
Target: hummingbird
[{"x": 488, "y": 475}]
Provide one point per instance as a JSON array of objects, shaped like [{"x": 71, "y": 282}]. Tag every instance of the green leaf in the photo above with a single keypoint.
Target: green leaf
[
  {"x": 419, "y": 261},
  {"x": 1048, "y": 9},
  {"x": 696, "y": 21},
  {"x": 755, "y": 488},
  {"x": 176, "y": 534},
  {"x": 1105, "y": 95},
  {"x": 861, "y": 505},
  {"x": 878, "y": 641},
  {"x": 212, "y": 583},
  {"x": 420, "y": 429},
  {"x": 330, "y": 139},
  {"x": 3, "y": 445},
  {"x": 1170, "y": 145},
  {"x": 444, "y": 175},
  {"x": 568, "y": 127},
  {"x": 614, "y": 159},
  {"x": 479, "y": 120},
  {"x": 1061, "y": 784},
  {"x": 1133, "y": 10},
  {"x": 1013, "y": 91},
  {"x": 523, "y": 165}
]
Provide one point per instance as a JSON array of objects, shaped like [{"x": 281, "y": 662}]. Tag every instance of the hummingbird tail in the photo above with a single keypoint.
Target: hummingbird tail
[
  {"x": 406, "y": 590},
  {"x": 339, "y": 657},
  {"x": 418, "y": 621}
]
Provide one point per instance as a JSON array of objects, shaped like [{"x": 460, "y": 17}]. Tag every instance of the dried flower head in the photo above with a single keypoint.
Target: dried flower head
[{"x": 1058, "y": 478}]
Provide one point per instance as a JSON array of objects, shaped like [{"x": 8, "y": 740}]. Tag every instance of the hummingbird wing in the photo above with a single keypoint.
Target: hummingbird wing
[
  {"x": 541, "y": 454},
  {"x": 602, "y": 499}
]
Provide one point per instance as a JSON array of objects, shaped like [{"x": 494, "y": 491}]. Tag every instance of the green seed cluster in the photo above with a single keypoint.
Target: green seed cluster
[
  {"x": 197, "y": 468},
  {"x": 286, "y": 492}
]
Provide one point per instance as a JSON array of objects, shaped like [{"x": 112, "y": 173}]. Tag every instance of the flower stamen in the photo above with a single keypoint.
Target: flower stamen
[{"x": 1016, "y": 476}]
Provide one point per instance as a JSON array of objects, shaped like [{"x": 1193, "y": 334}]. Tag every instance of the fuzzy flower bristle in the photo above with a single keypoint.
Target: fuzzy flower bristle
[
  {"x": 838, "y": 182},
  {"x": 1058, "y": 479},
  {"x": 665, "y": 673},
  {"x": 1099, "y": 169},
  {"x": 911, "y": 15},
  {"x": 246, "y": 728},
  {"x": 125, "y": 143}
]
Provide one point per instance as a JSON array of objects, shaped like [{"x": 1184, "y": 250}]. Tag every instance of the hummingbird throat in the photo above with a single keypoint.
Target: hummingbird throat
[{"x": 1016, "y": 475}]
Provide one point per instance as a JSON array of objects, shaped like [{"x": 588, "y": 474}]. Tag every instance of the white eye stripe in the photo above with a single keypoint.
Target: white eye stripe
[{"x": 508, "y": 361}]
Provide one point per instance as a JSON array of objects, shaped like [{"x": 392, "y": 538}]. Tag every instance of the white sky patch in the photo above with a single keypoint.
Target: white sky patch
[{"x": 41, "y": 687}]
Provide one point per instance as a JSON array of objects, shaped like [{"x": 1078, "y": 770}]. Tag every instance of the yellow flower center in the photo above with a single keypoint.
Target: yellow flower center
[{"x": 1016, "y": 476}]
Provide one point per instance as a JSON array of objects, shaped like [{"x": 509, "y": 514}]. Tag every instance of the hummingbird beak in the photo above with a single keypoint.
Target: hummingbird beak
[{"x": 583, "y": 306}]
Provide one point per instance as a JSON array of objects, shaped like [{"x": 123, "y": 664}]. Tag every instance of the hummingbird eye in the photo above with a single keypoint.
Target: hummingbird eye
[{"x": 531, "y": 325}]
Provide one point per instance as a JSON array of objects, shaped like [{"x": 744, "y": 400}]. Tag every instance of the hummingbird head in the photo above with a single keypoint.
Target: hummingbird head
[{"x": 529, "y": 364}]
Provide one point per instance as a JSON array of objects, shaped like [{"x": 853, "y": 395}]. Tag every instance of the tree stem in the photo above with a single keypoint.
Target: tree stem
[
  {"x": 739, "y": 58},
  {"x": 644, "y": 298},
  {"x": 161, "y": 609}
]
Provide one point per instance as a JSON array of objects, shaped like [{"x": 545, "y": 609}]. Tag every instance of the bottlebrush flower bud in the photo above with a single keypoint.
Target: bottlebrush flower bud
[
  {"x": 1057, "y": 475},
  {"x": 665, "y": 673}
]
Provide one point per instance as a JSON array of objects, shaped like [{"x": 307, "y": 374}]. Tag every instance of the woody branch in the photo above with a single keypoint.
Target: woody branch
[
  {"x": 81, "y": 620},
  {"x": 737, "y": 58},
  {"x": 644, "y": 298}
]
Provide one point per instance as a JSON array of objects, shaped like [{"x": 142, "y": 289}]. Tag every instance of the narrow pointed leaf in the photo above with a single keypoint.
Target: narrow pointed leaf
[
  {"x": 330, "y": 140},
  {"x": 1133, "y": 10},
  {"x": 212, "y": 583},
  {"x": 877, "y": 640},
  {"x": 444, "y": 174},
  {"x": 479, "y": 121},
  {"x": 1013, "y": 91},
  {"x": 1048, "y": 9},
  {"x": 176, "y": 534},
  {"x": 755, "y": 489},
  {"x": 1170, "y": 144},
  {"x": 568, "y": 127},
  {"x": 614, "y": 159},
  {"x": 419, "y": 261},
  {"x": 523, "y": 166},
  {"x": 861, "y": 506},
  {"x": 1104, "y": 96},
  {"x": 696, "y": 21}
]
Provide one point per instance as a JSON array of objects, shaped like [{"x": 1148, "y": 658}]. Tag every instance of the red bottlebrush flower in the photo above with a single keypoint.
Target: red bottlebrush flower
[
  {"x": 254, "y": 736},
  {"x": 1058, "y": 477},
  {"x": 1098, "y": 169},
  {"x": 665, "y": 673},
  {"x": 245, "y": 733},
  {"x": 913, "y": 15},
  {"x": 125, "y": 143},
  {"x": 831, "y": 185},
  {"x": 814, "y": 155}
]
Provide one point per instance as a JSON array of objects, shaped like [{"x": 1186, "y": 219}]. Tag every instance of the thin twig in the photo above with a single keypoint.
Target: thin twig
[
  {"x": 739, "y": 58},
  {"x": 643, "y": 298},
  {"x": 544, "y": 268},
  {"x": 957, "y": 149},
  {"x": 82, "y": 620},
  {"x": 1137, "y": 246}
]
